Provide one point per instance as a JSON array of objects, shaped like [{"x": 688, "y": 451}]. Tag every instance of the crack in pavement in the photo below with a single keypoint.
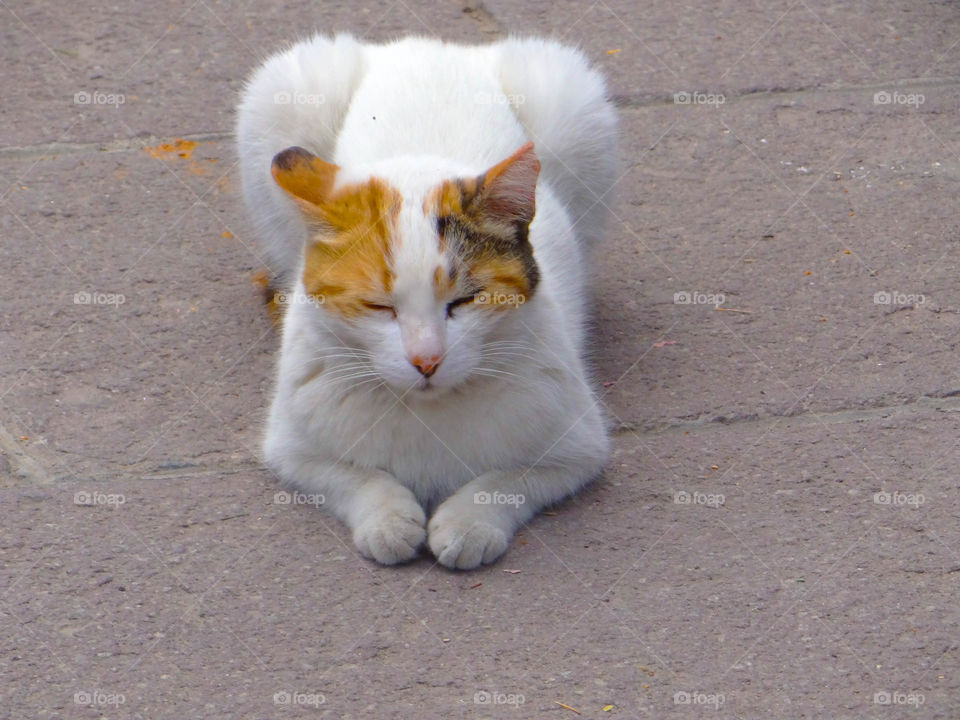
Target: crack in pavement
[
  {"x": 34, "y": 467},
  {"x": 948, "y": 402},
  {"x": 492, "y": 27},
  {"x": 137, "y": 142},
  {"x": 641, "y": 100}
]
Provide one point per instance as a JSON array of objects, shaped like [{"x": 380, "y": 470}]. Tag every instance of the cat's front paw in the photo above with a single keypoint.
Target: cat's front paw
[
  {"x": 392, "y": 536},
  {"x": 465, "y": 542}
]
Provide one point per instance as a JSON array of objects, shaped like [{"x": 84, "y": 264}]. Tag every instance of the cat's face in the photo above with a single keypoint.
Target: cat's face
[{"x": 428, "y": 287}]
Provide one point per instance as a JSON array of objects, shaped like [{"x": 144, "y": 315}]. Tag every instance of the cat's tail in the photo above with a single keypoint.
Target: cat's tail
[
  {"x": 562, "y": 104},
  {"x": 297, "y": 97}
]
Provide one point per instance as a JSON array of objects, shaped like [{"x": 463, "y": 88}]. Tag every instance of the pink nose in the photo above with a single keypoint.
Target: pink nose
[{"x": 426, "y": 366}]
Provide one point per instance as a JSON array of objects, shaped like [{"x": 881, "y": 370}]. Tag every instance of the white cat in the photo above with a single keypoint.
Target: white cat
[{"x": 428, "y": 209}]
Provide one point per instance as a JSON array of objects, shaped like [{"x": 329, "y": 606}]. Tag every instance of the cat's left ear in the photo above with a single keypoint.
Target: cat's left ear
[
  {"x": 508, "y": 190},
  {"x": 308, "y": 179}
]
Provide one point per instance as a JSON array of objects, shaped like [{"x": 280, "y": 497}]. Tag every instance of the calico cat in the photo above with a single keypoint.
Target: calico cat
[{"x": 427, "y": 210}]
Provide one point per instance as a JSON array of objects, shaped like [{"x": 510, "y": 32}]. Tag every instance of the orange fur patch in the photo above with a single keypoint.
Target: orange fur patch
[
  {"x": 348, "y": 262},
  {"x": 484, "y": 224},
  {"x": 307, "y": 178},
  {"x": 501, "y": 275},
  {"x": 443, "y": 283},
  {"x": 348, "y": 256},
  {"x": 261, "y": 279},
  {"x": 450, "y": 197}
]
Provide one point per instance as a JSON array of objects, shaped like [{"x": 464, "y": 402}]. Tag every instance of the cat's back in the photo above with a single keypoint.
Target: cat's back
[
  {"x": 357, "y": 104},
  {"x": 423, "y": 96}
]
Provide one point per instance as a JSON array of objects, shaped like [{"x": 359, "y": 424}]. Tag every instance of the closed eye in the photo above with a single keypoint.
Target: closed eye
[
  {"x": 458, "y": 302},
  {"x": 380, "y": 308}
]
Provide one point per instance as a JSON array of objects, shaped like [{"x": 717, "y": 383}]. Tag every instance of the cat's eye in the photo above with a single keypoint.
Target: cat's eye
[
  {"x": 458, "y": 302},
  {"x": 380, "y": 308}
]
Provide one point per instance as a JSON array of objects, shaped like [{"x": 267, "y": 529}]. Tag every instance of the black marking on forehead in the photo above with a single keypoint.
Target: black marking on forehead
[
  {"x": 467, "y": 243},
  {"x": 467, "y": 192}
]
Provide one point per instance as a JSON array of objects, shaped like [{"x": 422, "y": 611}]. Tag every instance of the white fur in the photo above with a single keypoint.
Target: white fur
[{"x": 510, "y": 409}]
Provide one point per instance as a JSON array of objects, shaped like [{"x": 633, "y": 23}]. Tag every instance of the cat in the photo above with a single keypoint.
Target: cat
[{"x": 427, "y": 210}]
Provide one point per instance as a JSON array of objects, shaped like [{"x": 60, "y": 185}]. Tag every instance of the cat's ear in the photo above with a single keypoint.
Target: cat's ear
[
  {"x": 307, "y": 178},
  {"x": 508, "y": 189}
]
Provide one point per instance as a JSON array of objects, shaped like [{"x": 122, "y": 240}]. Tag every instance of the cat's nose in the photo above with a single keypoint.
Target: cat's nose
[{"x": 426, "y": 366}]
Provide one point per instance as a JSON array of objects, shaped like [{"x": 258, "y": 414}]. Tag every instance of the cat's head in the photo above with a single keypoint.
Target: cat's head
[{"x": 427, "y": 275}]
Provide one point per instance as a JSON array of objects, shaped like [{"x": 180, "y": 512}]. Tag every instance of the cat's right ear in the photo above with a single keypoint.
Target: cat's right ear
[{"x": 305, "y": 177}]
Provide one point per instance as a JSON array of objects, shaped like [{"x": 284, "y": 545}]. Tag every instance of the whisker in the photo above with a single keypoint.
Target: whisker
[
  {"x": 344, "y": 378},
  {"x": 333, "y": 366},
  {"x": 522, "y": 356},
  {"x": 510, "y": 377},
  {"x": 507, "y": 346},
  {"x": 374, "y": 387}
]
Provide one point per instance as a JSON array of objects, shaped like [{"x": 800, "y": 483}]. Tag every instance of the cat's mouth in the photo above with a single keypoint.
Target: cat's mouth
[
  {"x": 426, "y": 389},
  {"x": 424, "y": 385}
]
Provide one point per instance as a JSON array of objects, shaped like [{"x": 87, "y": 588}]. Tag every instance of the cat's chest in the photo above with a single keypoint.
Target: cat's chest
[{"x": 449, "y": 442}]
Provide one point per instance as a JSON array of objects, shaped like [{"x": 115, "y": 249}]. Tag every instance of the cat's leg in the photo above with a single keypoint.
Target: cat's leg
[
  {"x": 385, "y": 518},
  {"x": 475, "y": 524}
]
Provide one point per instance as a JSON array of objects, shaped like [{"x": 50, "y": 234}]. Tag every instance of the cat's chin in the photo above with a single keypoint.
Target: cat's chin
[
  {"x": 425, "y": 390},
  {"x": 428, "y": 391}
]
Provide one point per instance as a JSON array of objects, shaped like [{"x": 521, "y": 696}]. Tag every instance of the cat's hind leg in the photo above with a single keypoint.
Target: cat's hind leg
[
  {"x": 298, "y": 97},
  {"x": 563, "y": 106}
]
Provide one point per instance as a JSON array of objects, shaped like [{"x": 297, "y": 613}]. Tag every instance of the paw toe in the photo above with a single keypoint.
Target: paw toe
[
  {"x": 466, "y": 547},
  {"x": 391, "y": 539}
]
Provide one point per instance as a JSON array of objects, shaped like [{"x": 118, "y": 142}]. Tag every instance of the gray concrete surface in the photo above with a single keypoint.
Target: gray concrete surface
[{"x": 823, "y": 585}]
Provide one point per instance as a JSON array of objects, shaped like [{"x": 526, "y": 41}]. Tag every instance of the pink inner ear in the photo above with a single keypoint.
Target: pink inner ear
[{"x": 510, "y": 187}]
